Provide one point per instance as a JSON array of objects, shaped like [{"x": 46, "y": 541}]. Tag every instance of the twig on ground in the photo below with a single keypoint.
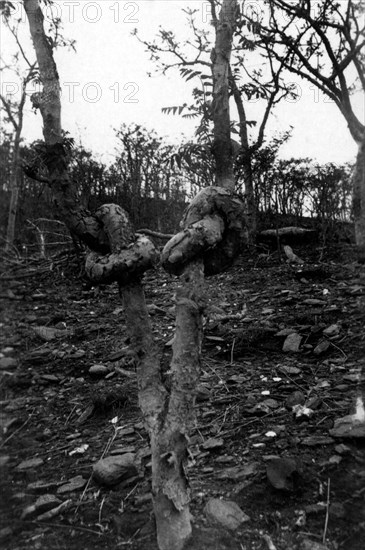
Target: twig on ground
[
  {"x": 69, "y": 416},
  {"x": 101, "y": 509},
  {"x": 269, "y": 542},
  {"x": 339, "y": 349},
  {"x": 327, "y": 510},
  {"x": 83, "y": 494},
  {"x": 16, "y": 431},
  {"x": 64, "y": 526},
  {"x": 293, "y": 381},
  {"x": 232, "y": 350}
]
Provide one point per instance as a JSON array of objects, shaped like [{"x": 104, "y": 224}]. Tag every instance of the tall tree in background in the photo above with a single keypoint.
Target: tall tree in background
[
  {"x": 323, "y": 42},
  {"x": 221, "y": 72},
  {"x": 26, "y": 73},
  {"x": 13, "y": 110},
  {"x": 191, "y": 58}
]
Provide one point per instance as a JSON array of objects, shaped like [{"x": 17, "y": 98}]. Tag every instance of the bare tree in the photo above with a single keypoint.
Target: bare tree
[
  {"x": 190, "y": 57},
  {"x": 323, "y": 42},
  {"x": 26, "y": 72},
  {"x": 14, "y": 114}
]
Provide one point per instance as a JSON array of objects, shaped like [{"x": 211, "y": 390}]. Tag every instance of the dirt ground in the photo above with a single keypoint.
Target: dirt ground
[{"x": 255, "y": 441}]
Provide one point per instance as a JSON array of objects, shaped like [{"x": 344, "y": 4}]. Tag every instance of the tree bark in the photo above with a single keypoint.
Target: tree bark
[
  {"x": 13, "y": 206},
  {"x": 246, "y": 159},
  {"x": 171, "y": 492},
  {"x": 220, "y": 58},
  {"x": 77, "y": 218},
  {"x": 204, "y": 226},
  {"x": 15, "y": 168}
]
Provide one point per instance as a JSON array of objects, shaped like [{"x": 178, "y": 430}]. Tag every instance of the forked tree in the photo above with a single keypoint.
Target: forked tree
[
  {"x": 264, "y": 82},
  {"x": 212, "y": 231}
]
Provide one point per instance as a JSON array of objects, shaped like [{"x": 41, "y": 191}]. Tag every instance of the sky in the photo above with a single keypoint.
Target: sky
[{"x": 105, "y": 83}]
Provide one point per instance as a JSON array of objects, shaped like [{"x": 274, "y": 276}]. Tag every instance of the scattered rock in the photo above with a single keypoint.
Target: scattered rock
[
  {"x": 49, "y": 333},
  {"x": 74, "y": 484},
  {"x": 4, "y": 459},
  {"x": 50, "y": 377},
  {"x": 282, "y": 473},
  {"x": 28, "y": 464},
  {"x": 292, "y": 343},
  {"x": 295, "y": 398},
  {"x": 285, "y": 332},
  {"x": 203, "y": 393},
  {"x": 8, "y": 363},
  {"x": 289, "y": 370},
  {"x": 225, "y": 512},
  {"x": 322, "y": 385},
  {"x": 43, "y": 486},
  {"x": 335, "y": 459},
  {"x": 99, "y": 370},
  {"x": 313, "y": 402},
  {"x": 314, "y": 302},
  {"x": 348, "y": 426},
  {"x": 322, "y": 347},
  {"x": 342, "y": 387},
  {"x": 268, "y": 311},
  {"x": 331, "y": 331},
  {"x": 114, "y": 469},
  {"x": 351, "y": 377},
  {"x": 314, "y": 440},
  {"x": 122, "y": 449},
  {"x": 213, "y": 443},
  {"x": 271, "y": 403},
  {"x": 259, "y": 409},
  {"x": 308, "y": 544},
  {"x": 342, "y": 449},
  {"x": 302, "y": 412},
  {"x": 239, "y": 472},
  {"x": 43, "y": 504},
  {"x": 315, "y": 508},
  {"x": 8, "y": 350}
]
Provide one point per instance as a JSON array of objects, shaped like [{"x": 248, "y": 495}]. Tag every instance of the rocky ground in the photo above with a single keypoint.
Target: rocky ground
[{"x": 277, "y": 456}]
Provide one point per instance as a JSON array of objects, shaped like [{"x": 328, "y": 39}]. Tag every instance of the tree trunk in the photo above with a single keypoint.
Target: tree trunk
[
  {"x": 359, "y": 200},
  {"x": 246, "y": 160},
  {"x": 171, "y": 494},
  {"x": 220, "y": 57},
  {"x": 15, "y": 169},
  {"x": 13, "y": 207}
]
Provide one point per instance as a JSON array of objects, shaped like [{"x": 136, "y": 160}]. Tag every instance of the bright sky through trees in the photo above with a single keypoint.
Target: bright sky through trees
[{"x": 105, "y": 82}]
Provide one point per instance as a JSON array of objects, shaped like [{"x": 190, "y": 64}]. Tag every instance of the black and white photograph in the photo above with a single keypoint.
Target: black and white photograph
[{"x": 182, "y": 274}]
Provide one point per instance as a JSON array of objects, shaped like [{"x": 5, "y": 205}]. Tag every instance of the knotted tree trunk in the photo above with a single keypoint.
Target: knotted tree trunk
[{"x": 212, "y": 233}]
